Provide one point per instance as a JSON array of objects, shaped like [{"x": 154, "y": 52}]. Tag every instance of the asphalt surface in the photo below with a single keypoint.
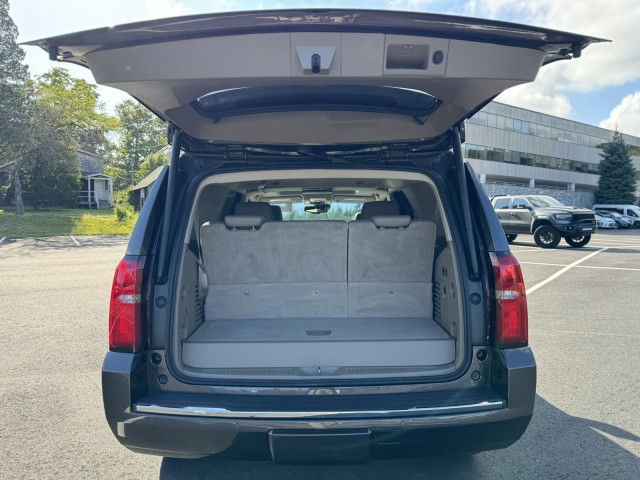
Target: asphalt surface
[{"x": 584, "y": 329}]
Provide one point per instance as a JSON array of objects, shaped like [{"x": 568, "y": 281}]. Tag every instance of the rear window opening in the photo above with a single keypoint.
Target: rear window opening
[{"x": 369, "y": 287}]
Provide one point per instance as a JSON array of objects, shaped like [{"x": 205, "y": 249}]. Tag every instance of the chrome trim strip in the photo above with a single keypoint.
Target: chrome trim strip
[{"x": 355, "y": 414}]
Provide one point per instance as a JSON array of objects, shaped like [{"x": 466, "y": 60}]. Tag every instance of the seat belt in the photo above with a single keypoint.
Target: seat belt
[{"x": 194, "y": 247}]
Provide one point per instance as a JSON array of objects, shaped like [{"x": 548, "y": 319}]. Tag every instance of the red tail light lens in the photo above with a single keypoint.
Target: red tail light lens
[
  {"x": 509, "y": 302},
  {"x": 126, "y": 333}
]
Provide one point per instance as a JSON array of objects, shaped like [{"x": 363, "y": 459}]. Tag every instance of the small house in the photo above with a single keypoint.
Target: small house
[
  {"x": 140, "y": 191},
  {"x": 97, "y": 186}
]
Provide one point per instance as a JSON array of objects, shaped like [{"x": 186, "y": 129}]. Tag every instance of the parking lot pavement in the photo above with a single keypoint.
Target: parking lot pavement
[{"x": 584, "y": 330}]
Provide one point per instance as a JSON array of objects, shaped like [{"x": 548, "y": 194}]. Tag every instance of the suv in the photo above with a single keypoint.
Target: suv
[
  {"x": 249, "y": 318},
  {"x": 546, "y": 218}
]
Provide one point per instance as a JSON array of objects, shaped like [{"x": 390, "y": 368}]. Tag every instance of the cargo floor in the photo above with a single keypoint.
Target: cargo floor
[{"x": 326, "y": 342}]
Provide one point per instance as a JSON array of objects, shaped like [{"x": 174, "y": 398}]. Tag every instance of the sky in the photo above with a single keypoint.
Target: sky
[{"x": 602, "y": 88}]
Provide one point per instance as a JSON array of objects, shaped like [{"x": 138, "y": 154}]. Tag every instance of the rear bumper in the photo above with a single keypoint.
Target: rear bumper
[{"x": 395, "y": 434}]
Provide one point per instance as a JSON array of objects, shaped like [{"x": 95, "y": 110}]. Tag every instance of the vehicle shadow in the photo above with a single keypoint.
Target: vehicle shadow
[
  {"x": 103, "y": 240},
  {"x": 556, "y": 445}
]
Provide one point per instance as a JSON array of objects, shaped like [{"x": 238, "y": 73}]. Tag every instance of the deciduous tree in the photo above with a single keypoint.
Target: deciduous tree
[
  {"x": 152, "y": 162},
  {"x": 76, "y": 110},
  {"x": 14, "y": 95},
  {"x": 140, "y": 133}
]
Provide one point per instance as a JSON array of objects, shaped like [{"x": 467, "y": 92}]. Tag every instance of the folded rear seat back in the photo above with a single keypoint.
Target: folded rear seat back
[
  {"x": 390, "y": 267},
  {"x": 277, "y": 270}
]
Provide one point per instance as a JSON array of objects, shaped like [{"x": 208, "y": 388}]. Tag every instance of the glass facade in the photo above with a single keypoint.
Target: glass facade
[
  {"x": 481, "y": 152},
  {"x": 535, "y": 129}
]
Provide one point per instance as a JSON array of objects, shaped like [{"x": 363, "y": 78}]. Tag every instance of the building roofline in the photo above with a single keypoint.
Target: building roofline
[{"x": 563, "y": 118}]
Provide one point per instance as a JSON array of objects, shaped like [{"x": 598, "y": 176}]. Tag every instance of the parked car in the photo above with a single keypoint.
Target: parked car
[
  {"x": 605, "y": 222},
  {"x": 546, "y": 218},
  {"x": 235, "y": 333},
  {"x": 621, "y": 220},
  {"x": 632, "y": 211},
  {"x": 634, "y": 222}
]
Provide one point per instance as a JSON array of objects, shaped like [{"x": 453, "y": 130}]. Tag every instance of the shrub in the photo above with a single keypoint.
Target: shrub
[{"x": 124, "y": 212}]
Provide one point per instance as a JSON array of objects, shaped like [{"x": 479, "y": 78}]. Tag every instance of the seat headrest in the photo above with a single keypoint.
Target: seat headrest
[
  {"x": 244, "y": 222},
  {"x": 277, "y": 213},
  {"x": 378, "y": 209},
  {"x": 392, "y": 221},
  {"x": 254, "y": 209}
]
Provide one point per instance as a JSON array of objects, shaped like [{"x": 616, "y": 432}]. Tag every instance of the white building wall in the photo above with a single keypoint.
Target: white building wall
[{"x": 586, "y": 136}]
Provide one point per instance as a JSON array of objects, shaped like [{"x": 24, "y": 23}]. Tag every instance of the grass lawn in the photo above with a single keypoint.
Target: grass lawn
[{"x": 53, "y": 222}]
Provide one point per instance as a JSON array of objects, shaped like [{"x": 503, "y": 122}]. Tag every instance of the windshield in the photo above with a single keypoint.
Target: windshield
[
  {"x": 542, "y": 201},
  {"x": 346, "y": 211}
]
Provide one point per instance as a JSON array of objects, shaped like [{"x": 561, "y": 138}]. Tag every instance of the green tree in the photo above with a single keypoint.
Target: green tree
[
  {"x": 152, "y": 162},
  {"x": 13, "y": 75},
  {"x": 64, "y": 114},
  {"x": 75, "y": 105},
  {"x": 14, "y": 93},
  {"x": 617, "y": 174},
  {"x": 140, "y": 133},
  {"x": 53, "y": 175}
]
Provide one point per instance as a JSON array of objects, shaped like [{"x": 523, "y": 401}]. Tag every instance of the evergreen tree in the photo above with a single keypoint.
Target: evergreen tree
[{"x": 617, "y": 175}]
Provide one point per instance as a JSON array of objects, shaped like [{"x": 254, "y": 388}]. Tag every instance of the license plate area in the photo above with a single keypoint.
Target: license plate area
[{"x": 317, "y": 447}]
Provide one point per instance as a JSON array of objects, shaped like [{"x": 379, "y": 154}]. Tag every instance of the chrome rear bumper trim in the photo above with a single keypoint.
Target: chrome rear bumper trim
[{"x": 192, "y": 411}]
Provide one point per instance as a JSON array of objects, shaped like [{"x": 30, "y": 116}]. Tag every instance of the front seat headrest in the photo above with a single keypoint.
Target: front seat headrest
[{"x": 379, "y": 209}]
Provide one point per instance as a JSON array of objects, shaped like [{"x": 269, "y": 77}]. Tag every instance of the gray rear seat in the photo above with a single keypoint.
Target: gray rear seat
[
  {"x": 275, "y": 269},
  {"x": 390, "y": 265}
]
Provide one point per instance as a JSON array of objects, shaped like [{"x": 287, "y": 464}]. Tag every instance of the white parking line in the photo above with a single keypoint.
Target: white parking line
[
  {"x": 2, "y": 239},
  {"x": 545, "y": 264},
  {"x": 581, "y": 266},
  {"x": 630, "y": 246},
  {"x": 565, "y": 269},
  {"x": 568, "y": 249},
  {"x": 610, "y": 268},
  {"x": 74, "y": 240},
  {"x": 634, "y": 240}
]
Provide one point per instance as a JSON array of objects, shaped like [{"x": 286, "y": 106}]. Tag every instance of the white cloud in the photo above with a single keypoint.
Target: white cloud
[
  {"x": 408, "y": 5},
  {"x": 175, "y": 8},
  {"x": 164, "y": 8},
  {"x": 544, "y": 95},
  {"x": 625, "y": 117},
  {"x": 602, "y": 65}
]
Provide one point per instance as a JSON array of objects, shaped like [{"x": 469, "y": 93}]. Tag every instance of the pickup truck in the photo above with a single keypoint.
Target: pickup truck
[{"x": 545, "y": 218}]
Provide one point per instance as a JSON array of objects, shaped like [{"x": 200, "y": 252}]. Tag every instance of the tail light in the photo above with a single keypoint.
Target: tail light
[
  {"x": 509, "y": 303},
  {"x": 126, "y": 332}
]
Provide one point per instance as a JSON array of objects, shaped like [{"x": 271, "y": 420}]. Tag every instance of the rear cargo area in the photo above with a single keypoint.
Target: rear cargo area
[
  {"x": 319, "y": 343},
  {"x": 320, "y": 297}
]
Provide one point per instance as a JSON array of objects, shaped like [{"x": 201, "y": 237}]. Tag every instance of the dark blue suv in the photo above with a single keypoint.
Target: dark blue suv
[{"x": 318, "y": 275}]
